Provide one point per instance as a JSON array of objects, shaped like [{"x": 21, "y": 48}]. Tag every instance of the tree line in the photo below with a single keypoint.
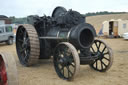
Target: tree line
[
  {"x": 24, "y": 19},
  {"x": 102, "y": 13}
]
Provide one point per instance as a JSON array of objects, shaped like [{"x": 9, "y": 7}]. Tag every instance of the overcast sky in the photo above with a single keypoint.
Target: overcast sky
[{"x": 22, "y": 8}]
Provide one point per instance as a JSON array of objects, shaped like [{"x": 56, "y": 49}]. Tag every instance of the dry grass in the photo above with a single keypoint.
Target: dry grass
[{"x": 44, "y": 73}]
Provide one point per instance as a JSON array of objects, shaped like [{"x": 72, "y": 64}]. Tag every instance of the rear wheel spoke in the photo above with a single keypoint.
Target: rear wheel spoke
[
  {"x": 22, "y": 50},
  {"x": 21, "y": 31},
  {"x": 25, "y": 34},
  {"x": 26, "y": 56},
  {"x": 20, "y": 40},
  {"x": 27, "y": 40}
]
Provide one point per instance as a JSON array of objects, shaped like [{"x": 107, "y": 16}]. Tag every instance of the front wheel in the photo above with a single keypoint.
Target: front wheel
[
  {"x": 105, "y": 56},
  {"x": 66, "y": 61}
]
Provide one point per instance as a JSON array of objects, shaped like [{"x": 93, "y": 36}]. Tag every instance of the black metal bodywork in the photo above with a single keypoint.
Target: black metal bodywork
[{"x": 63, "y": 25}]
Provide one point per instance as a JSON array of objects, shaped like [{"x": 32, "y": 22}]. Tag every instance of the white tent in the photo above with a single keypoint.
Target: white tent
[{"x": 114, "y": 28}]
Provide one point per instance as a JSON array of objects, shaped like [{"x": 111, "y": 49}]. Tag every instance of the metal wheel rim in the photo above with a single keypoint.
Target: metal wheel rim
[
  {"x": 102, "y": 56},
  {"x": 27, "y": 39},
  {"x": 75, "y": 63},
  {"x": 23, "y": 45}
]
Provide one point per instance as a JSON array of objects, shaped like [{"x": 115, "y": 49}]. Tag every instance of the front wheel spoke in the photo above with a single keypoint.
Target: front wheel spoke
[
  {"x": 103, "y": 63},
  {"x": 97, "y": 46},
  {"x": 106, "y": 58},
  {"x": 107, "y": 53},
  {"x": 70, "y": 59},
  {"x": 72, "y": 65},
  {"x": 61, "y": 67},
  {"x": 63, "y": 71},
  {"x": 93, "y": 49},
  {"x": 103, "y": 49},
  {"x": 65, "y": 53},
  {"x": 69, "y": 72},
  {"x": 57, "y": 62},
  {"x": 96, "y": 64}
]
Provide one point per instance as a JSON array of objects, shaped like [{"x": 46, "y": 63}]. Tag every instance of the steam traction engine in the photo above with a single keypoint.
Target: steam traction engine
[{"x": 68, "y": 38}]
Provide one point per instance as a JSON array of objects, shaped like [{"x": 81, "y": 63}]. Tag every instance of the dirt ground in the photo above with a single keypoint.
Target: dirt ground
[{"x": 44, "y": 74}]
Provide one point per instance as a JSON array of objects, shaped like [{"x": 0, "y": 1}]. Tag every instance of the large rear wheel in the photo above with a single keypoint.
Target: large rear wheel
[{"x": 27, "y": 45}]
